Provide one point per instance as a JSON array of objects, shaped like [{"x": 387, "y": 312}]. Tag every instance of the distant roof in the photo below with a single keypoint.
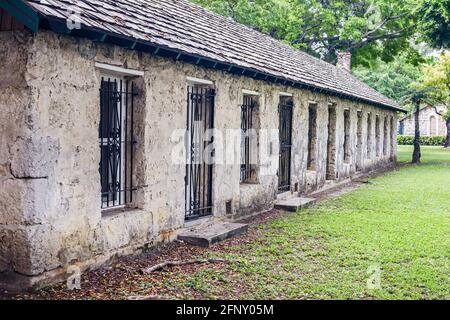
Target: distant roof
[
  {"x": 440, "y": 109},
  {"x": 192, "y": 32}
]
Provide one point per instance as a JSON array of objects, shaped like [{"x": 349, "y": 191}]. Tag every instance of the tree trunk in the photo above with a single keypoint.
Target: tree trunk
[
  {"x": 447, "y": 141},
  {"x": 416, "y": 154}
]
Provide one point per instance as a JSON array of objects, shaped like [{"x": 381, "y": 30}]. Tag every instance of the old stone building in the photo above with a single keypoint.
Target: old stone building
[
  {"x": 431, "y": 123},
  {"x": 103, "y": 101}
]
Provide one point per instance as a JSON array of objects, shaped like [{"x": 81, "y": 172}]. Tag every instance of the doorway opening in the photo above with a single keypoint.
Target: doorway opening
[
  {"x": 199, "y": 167},
  {"x": 359, "y": 144},
  {"x": 312, "y": 137},
  {"x": 285, "y": 110}
]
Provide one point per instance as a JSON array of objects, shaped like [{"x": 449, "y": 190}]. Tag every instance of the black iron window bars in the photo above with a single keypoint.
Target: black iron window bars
[
  {"x": 248, "y": 110},
  {"x": 116, "y": 142},
  {"x": 199, "y": 166}
]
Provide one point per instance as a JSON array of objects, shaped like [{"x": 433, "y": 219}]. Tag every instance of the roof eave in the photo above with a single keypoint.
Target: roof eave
[{"x": 22, "y": 12}]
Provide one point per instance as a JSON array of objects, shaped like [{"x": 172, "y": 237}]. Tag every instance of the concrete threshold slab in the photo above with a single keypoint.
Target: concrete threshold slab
[
  {"x": 294, "y": 204},
  {"x": 284, "y": 195},
  {"x": 208, "y": 234}
]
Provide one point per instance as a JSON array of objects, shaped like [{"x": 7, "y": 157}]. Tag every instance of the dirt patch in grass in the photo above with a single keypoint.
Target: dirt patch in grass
[{"x": 124, "y": 279}]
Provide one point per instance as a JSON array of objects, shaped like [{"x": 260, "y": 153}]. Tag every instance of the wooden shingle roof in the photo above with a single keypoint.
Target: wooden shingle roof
[{"x": 189, "y": 29}]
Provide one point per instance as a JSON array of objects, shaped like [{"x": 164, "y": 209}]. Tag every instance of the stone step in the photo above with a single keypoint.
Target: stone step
[
  {"x": 294, "y": 204},
  {"x": 210, "y": 233}
]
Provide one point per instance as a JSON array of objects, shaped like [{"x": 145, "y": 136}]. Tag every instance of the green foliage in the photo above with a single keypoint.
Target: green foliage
[
  {"x": 434, "y": 22},
  {"x": 424, "y": 140},
  {"x": 435, "y": 80},
  {"x": 398, "y": 222},
  {"x": 368, "y": 28},
  {"x": 393, "y": 79},
  {"x": 446, "y": 115},
  {"x": 268, "y": 16}
]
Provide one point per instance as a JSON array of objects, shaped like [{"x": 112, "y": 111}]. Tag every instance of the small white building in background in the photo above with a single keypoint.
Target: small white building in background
[{"x": 431, "y": 123}]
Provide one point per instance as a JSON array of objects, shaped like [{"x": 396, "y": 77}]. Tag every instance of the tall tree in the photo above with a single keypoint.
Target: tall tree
[
  {"x": 416, "y": 97},
  {"x": 435, "y": 81},
  {"x": 416, "y": 153}
]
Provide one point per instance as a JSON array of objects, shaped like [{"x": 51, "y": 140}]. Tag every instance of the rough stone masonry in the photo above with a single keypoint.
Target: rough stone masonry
[{"x": 50, "y": 208}]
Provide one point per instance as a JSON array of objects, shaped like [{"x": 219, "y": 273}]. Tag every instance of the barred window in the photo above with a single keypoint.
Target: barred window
[
  {"x": 369, "y": 135},
  {"x": 312, "y": 137},
  {"x": 393, "y": 135},
  {"x": 377, "y": 135},
  {"x": 347, "y": 154},
  {"x": 116, "y": 142},
  {"x": 249, "y": 144},
  {"x": 385, "y": 136}
]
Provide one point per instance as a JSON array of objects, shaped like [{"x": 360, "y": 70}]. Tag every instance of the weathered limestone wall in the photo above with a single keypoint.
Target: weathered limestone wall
[
  {"x": 50, "y": 216},
  {"x": 27, "y": 156}
]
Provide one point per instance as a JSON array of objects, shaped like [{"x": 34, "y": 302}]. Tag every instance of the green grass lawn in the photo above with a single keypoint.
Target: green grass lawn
[
  {"x": 430, "y": 155},
  {"x": 389, "y": 239},
  {"x": 398, "y": 224}
]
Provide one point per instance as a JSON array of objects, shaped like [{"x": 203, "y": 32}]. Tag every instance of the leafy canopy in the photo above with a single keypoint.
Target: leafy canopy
[
  {"x": 435, "y": 80},
  {"x": 393, "y": 79},
  {"x": 375, "y": 28},
  {"x": 434, "y": 22},
  {"x": 370, "y": 29}
]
